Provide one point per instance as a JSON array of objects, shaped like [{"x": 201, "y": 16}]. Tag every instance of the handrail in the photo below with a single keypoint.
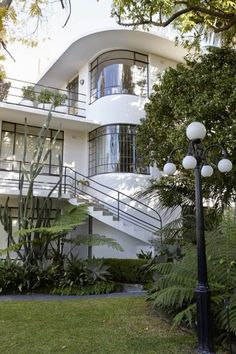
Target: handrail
[
  {"x": 113, "y": 189},
  {"x": 119, "y": 203}
]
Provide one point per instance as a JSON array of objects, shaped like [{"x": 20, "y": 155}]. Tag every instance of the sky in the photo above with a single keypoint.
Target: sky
[{"x": 87, "y": 16}]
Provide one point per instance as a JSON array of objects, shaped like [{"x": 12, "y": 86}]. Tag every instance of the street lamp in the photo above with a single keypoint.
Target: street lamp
[{"x": 197, "y": 159}]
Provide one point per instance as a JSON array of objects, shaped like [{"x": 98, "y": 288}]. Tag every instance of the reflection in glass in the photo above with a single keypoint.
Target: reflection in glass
[
  {"x": 12, "y": 147},
  {"x": 119, "y": 72},
  {"x": 112, "y": 148}
]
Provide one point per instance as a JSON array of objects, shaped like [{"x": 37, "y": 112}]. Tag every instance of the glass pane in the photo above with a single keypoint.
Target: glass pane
[
  {"x": 114, "y": 152},
  {"x": 7, "y": 145},
  {"x": 19, "y": 147},
  {"x": 56, "y": 152},
  {"x": 119, "y": 72}
]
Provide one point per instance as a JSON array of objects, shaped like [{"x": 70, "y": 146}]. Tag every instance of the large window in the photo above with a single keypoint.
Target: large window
[
  {"x": 12, "y": 146},
  {"x": 119, "y": 72},
  {"x": 112, "y": 148}
]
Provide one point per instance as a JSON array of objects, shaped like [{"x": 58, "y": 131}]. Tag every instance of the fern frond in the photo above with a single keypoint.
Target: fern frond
[
  {"x": 187, "y": 315},
  {"x": 174, "y": 296}
]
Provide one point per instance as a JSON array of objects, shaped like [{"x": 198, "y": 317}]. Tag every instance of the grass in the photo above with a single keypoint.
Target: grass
[{"x": 88, "y": 326}]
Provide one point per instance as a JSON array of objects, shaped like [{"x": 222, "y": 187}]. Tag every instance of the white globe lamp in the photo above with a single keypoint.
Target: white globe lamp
[
  {"x": 189, "y": 162},
  {"x": 225, "y": 165},
  {"x": 169, "y": 168},
  {"x": 207, "y": 171},
  {"x": 195, "y": 131}
]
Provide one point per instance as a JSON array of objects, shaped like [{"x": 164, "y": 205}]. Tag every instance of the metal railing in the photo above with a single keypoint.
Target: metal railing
[
  {"x": 76, "y": 185},
  {"x": 40, "y": 97}
]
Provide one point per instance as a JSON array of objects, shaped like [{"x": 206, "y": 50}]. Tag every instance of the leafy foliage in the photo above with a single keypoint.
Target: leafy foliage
[
  {"x": 17, "y": 16},
  {"x": 16, "y": 277},
  {"x": 127, "y": 270},
  {"x": 69, "y": 219},
  {"x": 79, "y": 277},
  {"x": 100, "y": 287},
  {"x": 194, "y": 19},
  {"x": 97, "y": 271},
  {"x": 201, "y": 90},
  {"x": 144, "y": 255},
  {"x": 81, "y": 273},
  {"x": 174, "y": 292}
]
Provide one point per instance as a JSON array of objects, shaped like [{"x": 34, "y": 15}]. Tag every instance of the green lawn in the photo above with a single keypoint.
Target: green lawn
[{"x": 88, "y": 326}]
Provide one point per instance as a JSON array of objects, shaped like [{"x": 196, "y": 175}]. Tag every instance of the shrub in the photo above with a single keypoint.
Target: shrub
[
  {"x": 99, "y": 287},
  {"x": 75, "y": 274},
  {"x": 59, "y": 99},
  {"x": 18, "y": 278},
  {"x": 79, "y": 273},
  {"x": 28, "y": 93},
  {"x": 10, "y": 276},
  {"x": 45, "y": 96},
  {"x": 127, "y": 270},
  {"x": 174, "y": 293}
]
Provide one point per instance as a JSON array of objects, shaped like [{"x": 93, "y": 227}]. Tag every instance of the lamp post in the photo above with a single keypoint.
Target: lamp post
[{"x": 197, "y": 159}]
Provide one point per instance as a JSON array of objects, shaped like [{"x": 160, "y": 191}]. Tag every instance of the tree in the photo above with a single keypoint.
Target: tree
[
  {"x": 15, "y": 16},
  {"x": 202, "y": 89},
  {"x": 193, "y": 19}
]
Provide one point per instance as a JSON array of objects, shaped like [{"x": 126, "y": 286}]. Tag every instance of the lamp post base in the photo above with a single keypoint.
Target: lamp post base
[{"x": 205, "y": 343}]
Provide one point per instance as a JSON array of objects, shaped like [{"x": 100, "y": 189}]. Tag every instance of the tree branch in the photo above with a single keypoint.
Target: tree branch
[
  {"x": 230, "y": 18},
  {"x": 151, "y": 22},
  {"x": 68, "y": 17},
  {"x": 5, "y": 3}
]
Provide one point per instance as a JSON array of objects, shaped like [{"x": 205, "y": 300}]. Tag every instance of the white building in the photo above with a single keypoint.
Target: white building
[{"x": 107, "y": 77}]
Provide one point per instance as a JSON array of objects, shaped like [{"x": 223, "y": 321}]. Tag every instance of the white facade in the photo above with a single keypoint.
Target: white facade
[{"x": 111, "y": 74}]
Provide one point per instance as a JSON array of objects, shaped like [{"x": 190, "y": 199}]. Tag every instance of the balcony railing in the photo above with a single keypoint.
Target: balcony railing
[{"x": 40, "y": 97}]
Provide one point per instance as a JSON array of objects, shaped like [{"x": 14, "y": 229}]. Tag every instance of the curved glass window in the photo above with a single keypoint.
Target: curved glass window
[
  {"x": 112, "y": 148},
  {"x": 119, "y": 72}
]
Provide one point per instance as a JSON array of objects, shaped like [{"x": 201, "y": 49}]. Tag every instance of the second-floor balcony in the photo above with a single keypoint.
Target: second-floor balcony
[{"x": 39, "y": 97}]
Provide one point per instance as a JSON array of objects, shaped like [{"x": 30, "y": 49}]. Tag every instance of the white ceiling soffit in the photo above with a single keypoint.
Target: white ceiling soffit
[{"x": 85, "y": 48}]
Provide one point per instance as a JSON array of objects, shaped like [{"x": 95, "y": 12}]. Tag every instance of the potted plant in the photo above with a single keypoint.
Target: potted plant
[
  {"x": 4, "y": 86},
  {"x": 45, "y": 99},
  {"x": 59, "y": 101},
  {"x": 82, "y": 184},
  {"x": 29, "y": 96}
]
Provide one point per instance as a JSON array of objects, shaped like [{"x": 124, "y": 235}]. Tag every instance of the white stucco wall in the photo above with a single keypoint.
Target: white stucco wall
[
  {"x": 157, "y": 65},
  {"x": 76, "y": 150},
  {"x": 130, "y": 245},
  {"x": 117, "y": 109}
]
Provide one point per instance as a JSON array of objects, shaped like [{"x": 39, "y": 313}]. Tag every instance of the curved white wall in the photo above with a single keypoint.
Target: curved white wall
[{"x": 117, "y": 109}]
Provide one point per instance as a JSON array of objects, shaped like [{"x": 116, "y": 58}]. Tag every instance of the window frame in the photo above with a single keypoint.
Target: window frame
[
  {"x": 129, "y": 163},
  {"x": 94, "y": 67},
  {"x": 52, "y": 133}
]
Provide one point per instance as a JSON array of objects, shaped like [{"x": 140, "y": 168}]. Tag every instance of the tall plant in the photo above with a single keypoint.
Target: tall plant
[{"x": 32, "y": 211}]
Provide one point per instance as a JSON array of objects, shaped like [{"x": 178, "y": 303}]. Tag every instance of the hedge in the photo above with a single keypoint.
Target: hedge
[{"x": 127, "y": 270}]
